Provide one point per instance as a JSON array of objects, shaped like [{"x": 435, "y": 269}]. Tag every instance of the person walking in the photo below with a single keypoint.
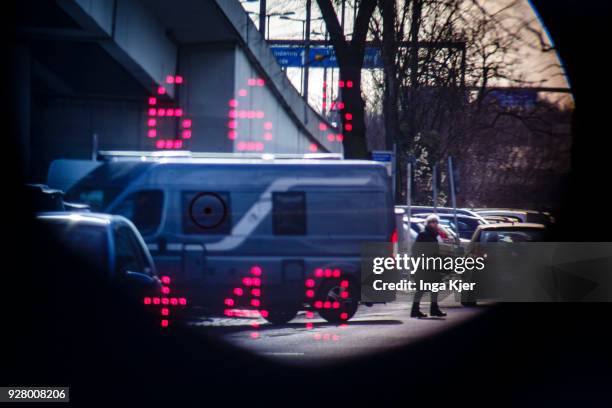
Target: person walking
[{"x": 427, "y": 245}]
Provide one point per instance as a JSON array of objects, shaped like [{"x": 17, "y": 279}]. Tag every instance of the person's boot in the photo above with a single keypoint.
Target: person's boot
[
  {"x": 435, "y": 311},
  {"x": 416, "y": 312}
]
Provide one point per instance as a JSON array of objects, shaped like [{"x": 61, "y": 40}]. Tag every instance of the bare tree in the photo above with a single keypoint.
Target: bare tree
[
  {"x": 442, "y": 60},
  {"x": 349, "y": 55}
]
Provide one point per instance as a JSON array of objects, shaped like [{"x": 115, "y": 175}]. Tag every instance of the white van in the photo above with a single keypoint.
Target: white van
[{"x": 274, "y": 234}]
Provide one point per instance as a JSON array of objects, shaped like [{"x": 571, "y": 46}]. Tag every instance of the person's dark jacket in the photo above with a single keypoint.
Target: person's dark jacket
[{"x": 427, "y": 244}]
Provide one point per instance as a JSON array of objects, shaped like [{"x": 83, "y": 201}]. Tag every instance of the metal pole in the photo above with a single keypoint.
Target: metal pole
[
  {"x": 331, "y": 91},
  {"x": 302, "y": 67},
  {"x": 394, "y": 172},
  {"x": 94, "y": 147},
  {"x": 307, "y": 48},
  {"x": 434, "y": 185},
  {"x": 262, "y": 17},
  {"x": 342, "y": 17},
  {"x": 268, "y": 27},
  {"x": 462, "y": 80},
  {"x": 325, "y": 84},
  {"x": 451, "y": 178},
  {"x": 409, "y": 199}
]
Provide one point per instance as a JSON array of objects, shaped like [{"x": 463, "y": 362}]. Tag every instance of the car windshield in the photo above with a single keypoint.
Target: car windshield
[
  {"x": 102, "y": 185},
  {"x": 86, "y": 241},
  {"x": 513, "y": 235}
]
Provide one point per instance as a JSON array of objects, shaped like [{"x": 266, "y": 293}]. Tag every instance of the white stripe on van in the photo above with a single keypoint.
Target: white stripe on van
[
  {"x": 263, "y": 206},
  {"x": 152, "y": 247},
  {"x": 174, "y": 247},
  {"x": 193, "y": 247}
]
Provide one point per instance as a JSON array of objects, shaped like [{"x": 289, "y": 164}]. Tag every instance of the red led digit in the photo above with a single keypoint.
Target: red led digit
[
  {"x": 166, "y": 110},
  {"x": 165, "y": 302}
]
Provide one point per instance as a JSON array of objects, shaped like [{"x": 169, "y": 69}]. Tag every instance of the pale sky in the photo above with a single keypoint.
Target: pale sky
[{"x": 541, "y": 68}]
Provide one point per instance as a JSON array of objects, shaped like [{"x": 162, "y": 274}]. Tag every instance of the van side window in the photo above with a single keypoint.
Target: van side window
[
  {"x": 144, "y": 209},
  {"x": 289, "y": 213}
]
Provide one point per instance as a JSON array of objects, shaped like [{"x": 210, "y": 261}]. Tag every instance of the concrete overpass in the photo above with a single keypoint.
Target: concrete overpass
[{"x": 153, "y": 74}]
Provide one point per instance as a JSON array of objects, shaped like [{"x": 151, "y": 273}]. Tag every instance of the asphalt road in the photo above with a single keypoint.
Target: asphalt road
[{"x": 312, "y": 341}]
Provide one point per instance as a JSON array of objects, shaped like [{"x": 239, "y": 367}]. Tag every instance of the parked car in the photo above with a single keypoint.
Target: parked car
[
  {"x": 450, "y": 245},
  {"x": 509, "y": 233},
  {"x": 42, "y": 198},
  {"x": 420, "y": 210},
  {"x": 466, "y": 224},
  {"x": 530, "y": 216},
  {"x": 495, "y": 234},
  {"x": 110, "y": 244},
  {"x": 213, "y": 224},
  {"x": 496, "y": 219}
]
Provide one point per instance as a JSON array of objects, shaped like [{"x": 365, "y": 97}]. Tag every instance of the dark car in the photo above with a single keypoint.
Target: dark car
[
  {"x": 110, "y": 244},
  {"x": 423, "y": 210},
  {"x": 466, "y": 227}
]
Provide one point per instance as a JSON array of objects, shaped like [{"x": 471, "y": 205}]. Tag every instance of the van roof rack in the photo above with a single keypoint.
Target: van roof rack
[{"x": 106, "y": 155}]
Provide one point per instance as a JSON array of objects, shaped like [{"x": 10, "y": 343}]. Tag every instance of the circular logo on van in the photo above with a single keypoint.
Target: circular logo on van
[{"x": 208, "y": 210}]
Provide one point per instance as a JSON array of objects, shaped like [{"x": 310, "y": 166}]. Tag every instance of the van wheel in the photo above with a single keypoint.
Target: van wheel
[
  {"x": 281, "y": 316},
  {"x": 331, "y": 291}
]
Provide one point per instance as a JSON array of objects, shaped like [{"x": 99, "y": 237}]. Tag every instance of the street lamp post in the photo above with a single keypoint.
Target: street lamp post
[
  {"x": 306, "y": 39},
  {"x": 262, "y": 17},
  {"x": 267, "y": 18},
  {"x": 307, "y": 49}
]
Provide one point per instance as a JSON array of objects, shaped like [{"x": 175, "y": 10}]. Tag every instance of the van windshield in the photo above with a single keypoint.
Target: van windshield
[{"x": 100, "y": 187}]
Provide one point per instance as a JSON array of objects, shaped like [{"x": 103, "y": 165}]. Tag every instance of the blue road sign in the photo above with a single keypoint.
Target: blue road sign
[
  {"x": 321, "y": 57},
  {"x": 385, "y": 157},
  {"x": 515, "y": 99},
  {"x": 288, "y": 56}
]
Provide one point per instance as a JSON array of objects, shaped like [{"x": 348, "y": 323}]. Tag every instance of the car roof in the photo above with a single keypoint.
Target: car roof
[
  {"x": 506, "y": 210},
  {"x": 416, "y": 219},
  {"x": 446, "y": 215},
  {"x": 507, "y": 225},
  {"x": 80, "y": 217}
]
